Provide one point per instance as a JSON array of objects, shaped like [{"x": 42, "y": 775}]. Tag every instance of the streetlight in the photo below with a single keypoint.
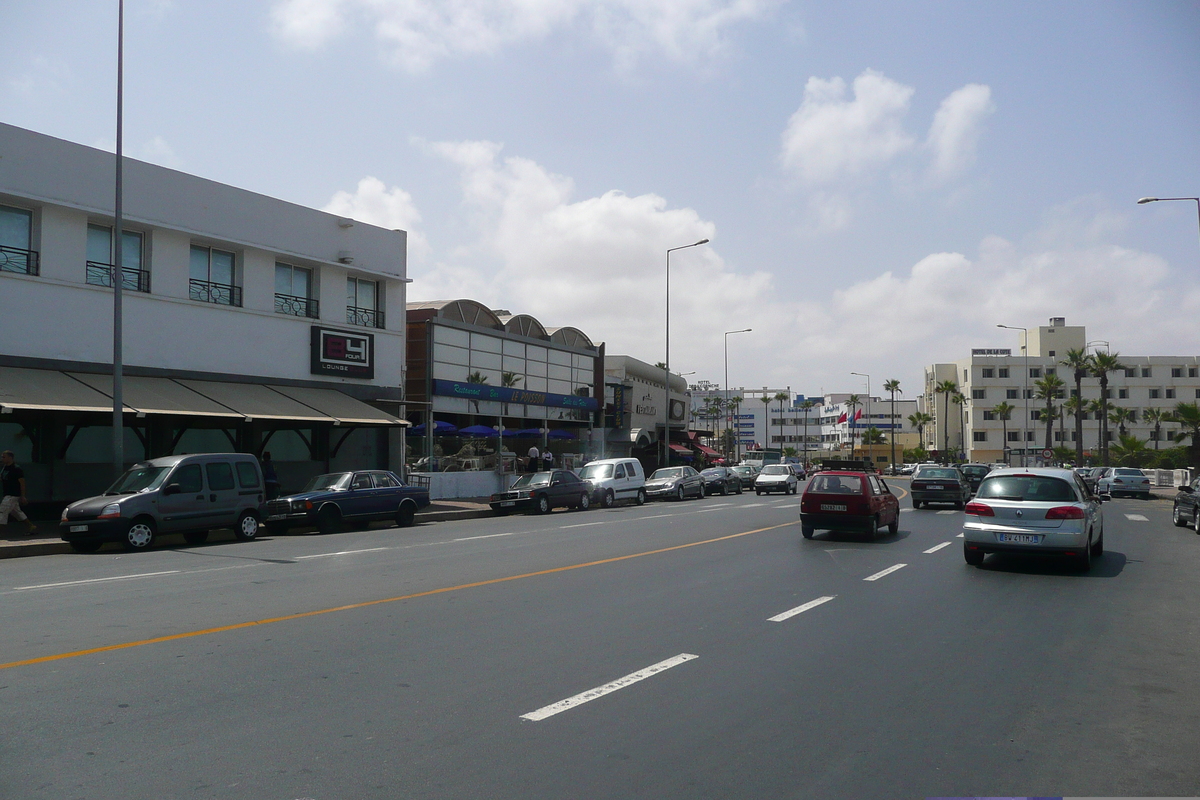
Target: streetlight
[
  {"x": 666, "y": 453},
  {"x": 736, "y": 443},
  {"x": 118, "y": 277},
  {"x": 1145, "y": 200},
  {"x": 1024, "y": 422},
  {"x": 868, "y": 377}
]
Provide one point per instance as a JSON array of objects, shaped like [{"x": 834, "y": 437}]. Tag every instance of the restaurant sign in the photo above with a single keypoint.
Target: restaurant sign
[
  {"x": 507, "y": 394},
  {"x": 350, "y": 355}
]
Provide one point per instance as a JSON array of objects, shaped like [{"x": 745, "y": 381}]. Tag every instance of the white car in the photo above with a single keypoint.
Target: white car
[
  {"x": 615, "y": 479},
  {"x": 777, "y": 478},
  {"x": 1123, "y": 480}
]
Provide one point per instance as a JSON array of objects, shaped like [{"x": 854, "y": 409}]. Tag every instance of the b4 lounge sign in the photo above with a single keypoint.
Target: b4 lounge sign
[{"x": 350, "y": 355}]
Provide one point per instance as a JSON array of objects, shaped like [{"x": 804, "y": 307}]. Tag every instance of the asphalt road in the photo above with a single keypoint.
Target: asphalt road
[{"x": 701, "y": 649}]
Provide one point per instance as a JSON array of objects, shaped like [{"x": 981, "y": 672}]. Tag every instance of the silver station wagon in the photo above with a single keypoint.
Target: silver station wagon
[{"x": 1040, "y": 511}]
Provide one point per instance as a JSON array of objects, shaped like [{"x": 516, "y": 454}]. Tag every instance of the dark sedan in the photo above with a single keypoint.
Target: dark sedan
[
  {"x": 939, "y": 485},
  {"x": 1186, "y": 511},
  {"x": 540, "y": 492},
  {"x": 721, "y": 480},
  {"x": 975, "y": 474},
  {"x": 333, "y": 501}
]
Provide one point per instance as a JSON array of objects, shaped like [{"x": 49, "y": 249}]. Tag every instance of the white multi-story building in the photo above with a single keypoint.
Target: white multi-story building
[
  {"x": 248, "y": 322},
  {"x": 995, "y": 375}
]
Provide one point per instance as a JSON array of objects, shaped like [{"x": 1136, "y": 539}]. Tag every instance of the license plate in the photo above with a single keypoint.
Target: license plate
[
  {"x": 78, "y": 528},
  {"x": 508, "y": 502},
  {"x": 832, "y": 507},
  {"x": 1020, "y": 538},
  {"x": 935, "y": 488}
]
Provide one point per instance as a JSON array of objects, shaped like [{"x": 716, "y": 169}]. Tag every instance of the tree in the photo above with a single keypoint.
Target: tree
[
  {"x": 1076, "y": 406},
  {"x": 735, "y": 403},
  {"x": 919, "y": 419},
  {"x": 790, "y": 452},
  {"x": 1004, "y": 412},
  {"x": 873, "y": 436},
  {"x": 960, "y": 400},
  {"x": 946, "y": 388},
  {"x": 852, "y": 401},
  {"x": 1049, "y": 389},
  {"x": 766, "y": 401},
  {"x": 805, "y": 406},
  {"x": 1102, "y": 363},
  {"x": 782, "y": 397},
  {"x": 1119, "y": 416},
  {"x": 892, "y": 387},
  {"x": 1078, "y": 362},
  {"x": 1131, "y": 451},
  {"x": 1188, "y": 416},
  {"x": 1156, "y": 417}
]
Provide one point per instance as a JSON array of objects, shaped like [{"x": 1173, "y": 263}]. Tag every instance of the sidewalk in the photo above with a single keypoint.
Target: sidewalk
[{"x": 45, "y": 541}]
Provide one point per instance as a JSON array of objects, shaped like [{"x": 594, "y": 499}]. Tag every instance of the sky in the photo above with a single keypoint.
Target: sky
[{"x": 882, "y": 183}]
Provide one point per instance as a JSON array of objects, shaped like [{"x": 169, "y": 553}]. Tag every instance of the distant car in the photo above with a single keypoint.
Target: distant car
[
  {"x": 541, "y": 492},
  {"x": 937, "y": 484},
  {"x": 1085, "y": 475},
  {"x": 332, "y": 501},
  {"x": 746, "y": 473},
  {"x": 677, "y": 482},
  {"x": 721, "y": 480},
  {"x": 1038, "y": 510},
  {"x": 848, "y": 501},
  {"x": 776, "y": 478},
  {"x": 975, "y": 473},
  {"x": 1186, "y": 510},
  {"x": 1124, "y": 480}
]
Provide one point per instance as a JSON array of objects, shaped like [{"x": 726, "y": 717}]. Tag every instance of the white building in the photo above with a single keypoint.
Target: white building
[{"x": 249, "y": 322}]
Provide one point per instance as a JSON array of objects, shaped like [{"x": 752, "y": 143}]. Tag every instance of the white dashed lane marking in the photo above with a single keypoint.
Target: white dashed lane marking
[
  {"x": 800, "y": 609},
  {"x": 608, "y": 688},
  {"x": 1136, "y": 518},
  {"x": 887, "y": 571},
  {"x": 937, "y": 547},
  {"x": 948, "y": 512},
  {"x": 98, "y": 580},
  {"x": 344, "y": 553}
]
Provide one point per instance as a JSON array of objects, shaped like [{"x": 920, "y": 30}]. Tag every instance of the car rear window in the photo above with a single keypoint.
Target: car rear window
[
  {"x": 1137, "y": 472},
  {"x": 943, "y": 474},
  {"x": 1034, "y": 488},
  {"x": 836, "y": 484}
]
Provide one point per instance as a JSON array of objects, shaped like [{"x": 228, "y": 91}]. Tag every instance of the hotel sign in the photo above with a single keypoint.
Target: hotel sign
[
  {"x": 350, "y": 355},
  {"x": 991, "y": 351},
  {"x": 506, "y": 394}
]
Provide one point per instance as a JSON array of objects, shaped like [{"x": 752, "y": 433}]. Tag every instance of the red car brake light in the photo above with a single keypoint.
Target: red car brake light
[
  {"x": 979, "y": 510},
  {"x": 1065, "y": 512}
]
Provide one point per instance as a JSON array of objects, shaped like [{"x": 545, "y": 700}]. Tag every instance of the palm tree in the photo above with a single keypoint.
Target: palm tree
[
  {"x": 852, "y": 401},
  {"x": 873, "y": 436},
  {"x": 1119, "y": 416},
  {"x": 960, "y": 400},
  {"x": 946, "y": 388},
  {"x": 1156, "y": 417},
  {"x": 766, "y": 401},
  {"x": 1096, "y": 409},
  {"x": 1188, "y": 415},
  {"x": 1102, "y": 363},
  {"x": 919, "y": 419},
  {"x": 782, "y": 397},
  {"x": 1076, "y": 406},
  {"x": 1004, "y": 412},
  {"x": 805, "y": 406},
  {"x": 1131, "y": 451},
  {"x": 892, "y": 387},
  {"x": 1049, "y": 389},
  {"x": 736, "y": 404},
  {"x": 1078, "y": 362}
]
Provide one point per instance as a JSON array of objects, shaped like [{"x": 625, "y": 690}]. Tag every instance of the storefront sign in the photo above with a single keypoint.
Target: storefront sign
[
  {"x": 506, "y": 394},
  {"x": 991, "y": 351},
  {"x": 350, "y": 355}
]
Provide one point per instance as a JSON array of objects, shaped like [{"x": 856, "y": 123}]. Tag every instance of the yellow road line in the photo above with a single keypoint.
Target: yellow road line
[{"x": 365, "y": 604}]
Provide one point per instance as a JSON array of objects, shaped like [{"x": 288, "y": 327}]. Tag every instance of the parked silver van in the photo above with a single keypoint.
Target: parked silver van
[
  {"x": 614, "y": 479},
  {"x": 173, "y": 494}
]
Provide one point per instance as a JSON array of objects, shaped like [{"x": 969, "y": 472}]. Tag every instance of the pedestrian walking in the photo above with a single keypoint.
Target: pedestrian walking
[
  {"x": 12, "y": 491},
  {"x": 532, "y": 464},
  {"x": 270, "y": 478}
]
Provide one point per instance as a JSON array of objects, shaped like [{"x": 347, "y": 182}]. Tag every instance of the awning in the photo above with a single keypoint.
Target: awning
[
  {"x": 48, "y": 390},
  {"x": 678, "y": 448},
  {"x": 341, "y": 407},
  {"x": 256, "y": 401},
  {"x": 157, "y": 396},
  {"x": 708, "y": 451}
]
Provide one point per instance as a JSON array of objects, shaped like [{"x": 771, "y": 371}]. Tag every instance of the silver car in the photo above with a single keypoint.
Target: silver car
[
  {"x": 1123, "y": 480},
  {"x": 1034, "y": 510},
  {"x": 777, "y": 478}
]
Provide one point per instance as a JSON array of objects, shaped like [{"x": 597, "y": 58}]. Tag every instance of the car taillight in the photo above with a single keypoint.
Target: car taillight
[
  {"x": 1065, "y": 512},
  {"x": 979, "y": 510}
]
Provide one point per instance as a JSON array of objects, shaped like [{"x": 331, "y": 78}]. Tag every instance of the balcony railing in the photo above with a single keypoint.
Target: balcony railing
[
  {"x": 135, "y": 280},
  {"x": 220, "y": 293},
  {"x": 296, "y": 306},
  {"x": 14, "y": 259},
  {"x": 364, "y": 317}
]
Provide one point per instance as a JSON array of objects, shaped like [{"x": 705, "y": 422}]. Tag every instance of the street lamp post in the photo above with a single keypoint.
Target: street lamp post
[
  {"x": 1025, "y": 421},
  {"x": 666, "y": 453},
  {"x": 118, "y": 415},
  {"x": 1145, "y": 200},
  {"x": 868, "y": 377},
  {"x": 735, "y": 435}
]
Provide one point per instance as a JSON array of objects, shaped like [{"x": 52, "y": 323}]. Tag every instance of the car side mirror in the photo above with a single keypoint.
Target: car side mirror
[
  {"x": 172, "y": 488},
  {"x": 1187, "y": 489}
]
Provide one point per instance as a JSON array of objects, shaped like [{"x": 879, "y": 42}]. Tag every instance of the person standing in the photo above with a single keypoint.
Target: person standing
[
  {"x": 270, "y": 477},
  {"x": 547, "y": 459},
  {"x": 12, "y": 491},
  {"x": 532, "y": 464}
]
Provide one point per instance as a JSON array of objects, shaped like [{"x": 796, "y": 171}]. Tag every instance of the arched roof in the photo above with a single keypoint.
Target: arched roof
[
  {"x": 463, "y": 310},
  {"x": 571, "y": 337},
  {"x": 524, "y": 325}
]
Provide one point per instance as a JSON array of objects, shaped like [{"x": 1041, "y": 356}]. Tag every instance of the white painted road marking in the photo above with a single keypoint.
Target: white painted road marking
[
  {"x": 887, "y": 571},
  {"x": 937, "y": 547},
  {"x": 580, "y": 525},
  {"x": 99, "y": 580},
  {"x": 608, "y": 688},
  {"x": 345, "y": 552},
  {"x": 947, "y": 512},
  {"x": 959, "y": 536},
  {"x": 1136, "y": 518},
  {"x": 489, "y": 536},
  {"x": 800, "y": 609}
]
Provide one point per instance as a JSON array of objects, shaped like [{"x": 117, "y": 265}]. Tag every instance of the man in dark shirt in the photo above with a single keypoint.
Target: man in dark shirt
[{"x": 12, "y": 491}]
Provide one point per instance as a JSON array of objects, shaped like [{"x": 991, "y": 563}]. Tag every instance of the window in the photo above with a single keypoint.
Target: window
[
  {"x": 1122, "y": 394},
  {"x": 989, "y": 416},
  {"x": 1010, "y": 394},
  {"x": 211, "y": 277},
  {"x": 1014, "y": 436},
  {"x": 189, "y": 479},
  {"x": 1029, "y": 394},
  {"x": 220, "y": 476},
  {"x": 247, "y": 475},
  {"x": 1003, "y": 373},
  {"x": 294, "y": 291},
  {"x": 1145, "y": 372},
  {"x": 1108, "y": 393},
  {"x": 1051, "y": 370},
  {"x": 988, "y": 372},
  {"x": 99, "y": 265},
  {"x": 1192, "y": 373},
  {"x": 362, "y": 303},
  {"x": 362, "y": 480},
  {"x": 1131, "y": 373},
  {"x": 978, "y": 394},
  {"x": 1170, "y": 394},
  {"x": 384, "y": 480},
  {"x": 1035, "y": 414},
  {"x": 1198, "y": 393},
  {"x": 1035, "y": 372},
  {"x": 16, "y": 236},
  {"x": 1029, "y": 436},
  {"x": 1154, "y": 394},
  {"x": 979, "y": 436},
  {"x": 1176, "y": 372},
  {"x": 1052, "y": 354}
]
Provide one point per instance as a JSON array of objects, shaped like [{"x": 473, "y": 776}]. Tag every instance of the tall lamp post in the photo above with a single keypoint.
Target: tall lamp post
[
  {"x": 1145, "y": 200},
  {"x": 727, "y": 334},
  {"x": 1025, "y": 421},
  {"x": 118, "y": 417},
  {"x": 868, "y": 377},
  {"x": 666, "y": 453}
]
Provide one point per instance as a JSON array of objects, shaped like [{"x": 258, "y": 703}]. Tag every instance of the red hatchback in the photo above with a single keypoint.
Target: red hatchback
[{"x": 845, "y": 500}]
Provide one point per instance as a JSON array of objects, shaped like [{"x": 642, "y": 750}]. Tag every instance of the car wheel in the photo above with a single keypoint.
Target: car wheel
[
  {"x": 641, "y": 497},
  {"x": 247, "y": 526},
  {"x": 140, "y": 534},
  {"x": 1196, "y": 521},
  {"x": 703, "y": 492},
  {"x": 973, "y": 557},
  {"x": 86, "y": 547},
  {"x": 329, "y": 519},
  {"x": 406, "y": 516},
  {"x": 807, "y": 531},
  {"x": 724, "y": 490},
  {"x": 894, "y": 527},
  {"x": 196, "y": 537},
  {"x": 1177, "y": 517},
  {"x": 608, "y": 501},
  {"x": 873, "y": 527},
  {"x": 585, "y": 502},
  {"x": 1084, "y": 560},
  {"x": 679, "y": 493},
  {"x": 1098, "y": 546},
  {"x": 758, "y": 492},
  {"x": 739, "y": 489},
  {"x": 543, "y": 505},
  {"x": 916, "y": 503}
]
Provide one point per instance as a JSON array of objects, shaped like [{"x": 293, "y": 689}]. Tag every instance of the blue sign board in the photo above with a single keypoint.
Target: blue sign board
[{"x": 508, "y": 394}]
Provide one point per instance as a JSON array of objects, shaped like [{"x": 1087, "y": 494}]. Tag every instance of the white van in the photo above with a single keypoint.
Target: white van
[{"x": 614, "y": 479}]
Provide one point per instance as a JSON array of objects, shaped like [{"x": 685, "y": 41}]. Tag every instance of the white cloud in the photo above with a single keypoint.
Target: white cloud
[
  {"x": 417, "y": 33},
  {"x": 374, "y": 203},
  {"x": 40, "y": 78},
  {"x": 957, "y": 127},
  {"x": 831, "y": 138}
]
